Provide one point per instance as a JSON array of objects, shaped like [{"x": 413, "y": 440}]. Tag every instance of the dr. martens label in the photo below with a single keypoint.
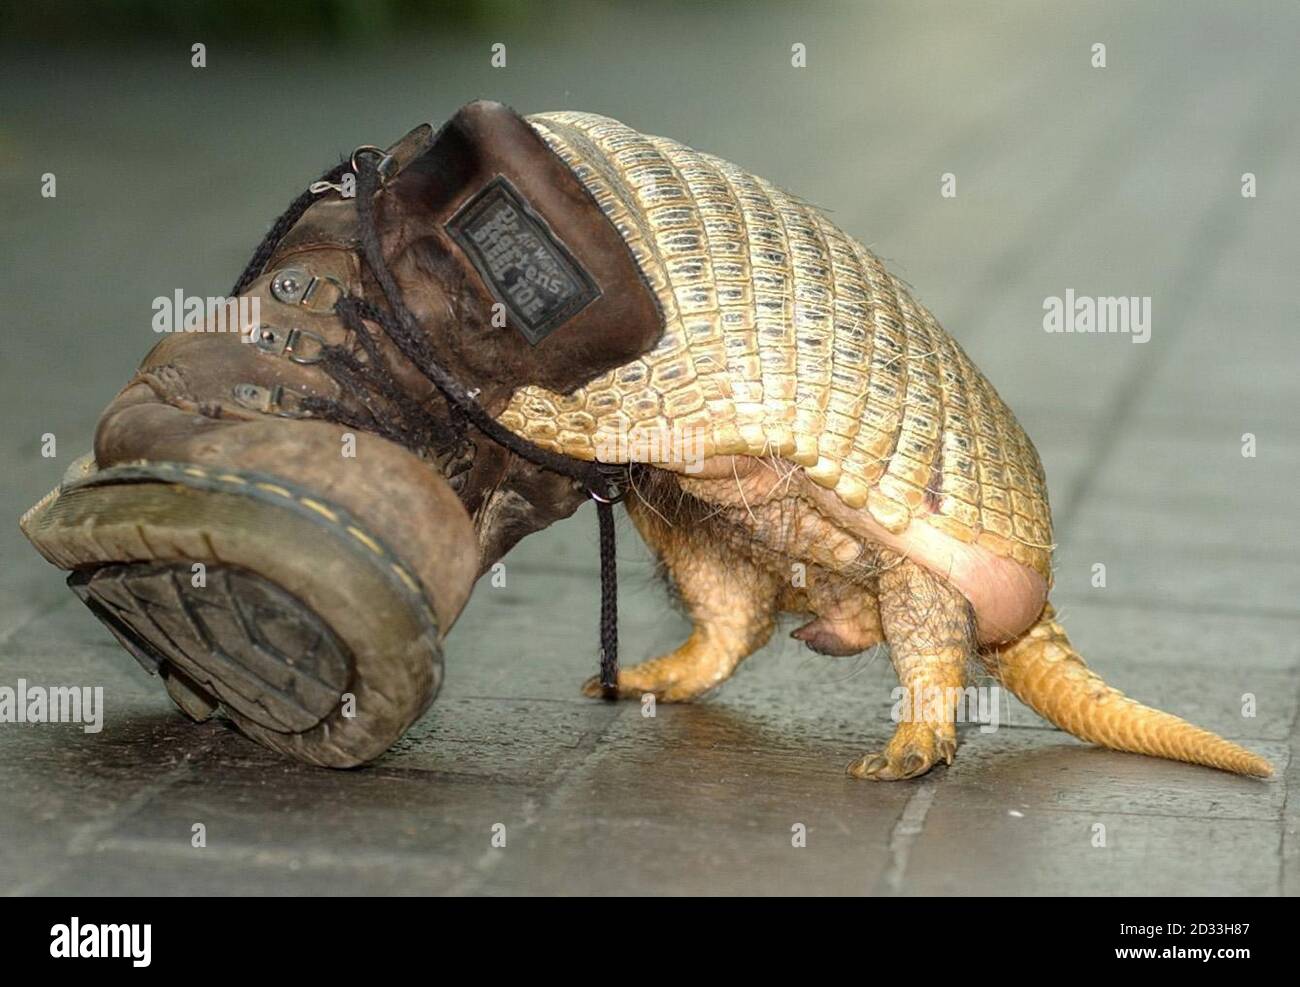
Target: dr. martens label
[{"x": 524, "y": 265}]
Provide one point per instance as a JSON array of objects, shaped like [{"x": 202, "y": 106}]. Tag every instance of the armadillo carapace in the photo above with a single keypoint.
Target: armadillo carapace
[{"x": 822, "y": 446}]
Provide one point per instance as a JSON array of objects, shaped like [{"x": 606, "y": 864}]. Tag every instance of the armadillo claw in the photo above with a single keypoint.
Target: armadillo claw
[
  {"x": 593, "y": 689},
  {"x": 914, "y": 749},
  {"x": 700, "y": 665},
  {"x": 636, "y": 686}
]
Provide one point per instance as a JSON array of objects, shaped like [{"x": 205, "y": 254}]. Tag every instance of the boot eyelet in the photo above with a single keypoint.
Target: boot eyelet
[
  {"x": 298, "y": 286},
  {"x": 299, "y": 345},
  {"x": 289, "y": 285},
  {"x": 322, "y": 294},
  {"x": 270, "y": 339},
  {"x": 385, "y": 168},
  {"x": 287, "y": 403},
  {"x": 280, "y": 401},
  {"x": 304, "y": 347},
  {"x": 253, "y": 397}
]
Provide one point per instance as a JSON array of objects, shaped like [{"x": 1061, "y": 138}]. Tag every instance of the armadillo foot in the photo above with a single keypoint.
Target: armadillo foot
[
  {"x": 914, "y": 749},
  {"x": 687, "y": 673},
  {"x": 632, "y": 684}
]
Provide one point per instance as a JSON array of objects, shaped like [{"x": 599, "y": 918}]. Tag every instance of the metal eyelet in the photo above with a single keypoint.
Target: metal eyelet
[
  {"x": 253, "y": 397},
  {"x": 616, "y": 488},
  {"x": 304, "y": 346},
  {"x": 322, "y": 294},
  {"x": 296, "y": 286},
  {"x": 288, "y": 403},
  {"x": 269, "y": 339},
  {"x": 386, "y": 168},
  {"x": 279, "y": 400},
  {"x": 299, "y": 345},
  {"x": 289, "y": 285}
]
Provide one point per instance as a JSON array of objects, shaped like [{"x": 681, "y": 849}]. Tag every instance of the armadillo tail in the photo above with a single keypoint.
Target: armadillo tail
[{"x": 1045, "y": 672}]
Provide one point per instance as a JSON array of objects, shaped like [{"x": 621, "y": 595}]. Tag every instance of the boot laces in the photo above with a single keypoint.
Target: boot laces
[{"x": 387, "y": 410}]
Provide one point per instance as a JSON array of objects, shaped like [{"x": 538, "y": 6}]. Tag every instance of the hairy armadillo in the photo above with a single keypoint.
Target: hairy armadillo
[{"x": 833, "y": 424}]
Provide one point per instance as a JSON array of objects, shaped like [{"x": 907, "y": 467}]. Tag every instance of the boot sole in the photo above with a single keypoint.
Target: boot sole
[{"x": 245, "y": 593}]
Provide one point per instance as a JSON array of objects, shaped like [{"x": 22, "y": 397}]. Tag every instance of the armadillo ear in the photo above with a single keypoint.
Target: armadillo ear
[{"x": 541, "y": 286}]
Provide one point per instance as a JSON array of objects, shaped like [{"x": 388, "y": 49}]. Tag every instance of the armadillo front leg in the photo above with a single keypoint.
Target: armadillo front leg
[
  {"x": 729, "y": 598},
  {"x": 930, "y": 633}
]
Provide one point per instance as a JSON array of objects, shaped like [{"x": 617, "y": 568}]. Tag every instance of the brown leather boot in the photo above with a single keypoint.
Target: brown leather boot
[{"x": 285, "y": 520}]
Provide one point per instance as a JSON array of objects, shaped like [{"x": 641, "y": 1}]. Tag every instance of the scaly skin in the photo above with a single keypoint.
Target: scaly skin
[
  {"x": 784, "y": 336},
  {"x": 931, "y": 637},
  {"x": 1046, "y": 673}
]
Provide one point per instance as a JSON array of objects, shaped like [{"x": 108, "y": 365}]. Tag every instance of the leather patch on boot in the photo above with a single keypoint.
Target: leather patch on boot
[
  {"x": 524, "y": 264},
  {"x": 488, "y": 172}
]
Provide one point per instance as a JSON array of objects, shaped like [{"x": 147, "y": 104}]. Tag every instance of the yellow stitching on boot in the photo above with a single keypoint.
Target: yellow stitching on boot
[
  {"x": 31, "y": 512},
  {"x": 411, "y": 583},
  {"x": 406, "y": 578},
  {"x": 365, "y": 539},
  {"x": 318, "y": 508}
]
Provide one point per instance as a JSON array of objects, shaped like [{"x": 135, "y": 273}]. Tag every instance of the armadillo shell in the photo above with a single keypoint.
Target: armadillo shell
[{"x": 784, "y": 336}]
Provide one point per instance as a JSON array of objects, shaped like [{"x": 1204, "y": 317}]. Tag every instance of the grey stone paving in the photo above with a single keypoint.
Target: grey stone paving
[{"x": 1123, "y": 180}]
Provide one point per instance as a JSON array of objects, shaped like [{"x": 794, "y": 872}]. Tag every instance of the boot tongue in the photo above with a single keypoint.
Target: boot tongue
[
  {"x": 542, "y": 286},
  {"x": 409, "y": 148},
  {"x": 332, "y": 220}
]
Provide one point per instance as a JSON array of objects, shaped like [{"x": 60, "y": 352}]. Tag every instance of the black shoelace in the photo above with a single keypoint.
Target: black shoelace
[{"x": 414, "y": 427}]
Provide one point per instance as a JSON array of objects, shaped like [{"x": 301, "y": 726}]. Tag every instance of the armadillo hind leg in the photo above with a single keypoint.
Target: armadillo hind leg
[
  {"x": 729, "y": 598},
  {"x": 1045, "y": 672},
  {"x": 931, "y": 635}
]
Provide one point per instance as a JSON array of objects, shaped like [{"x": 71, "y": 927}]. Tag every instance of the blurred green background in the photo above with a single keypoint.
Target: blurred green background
[{"x": 300, "y": 21}]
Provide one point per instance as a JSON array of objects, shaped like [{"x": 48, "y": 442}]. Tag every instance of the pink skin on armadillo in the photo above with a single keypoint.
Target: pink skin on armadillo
[{"x": 1007, "y": 597}]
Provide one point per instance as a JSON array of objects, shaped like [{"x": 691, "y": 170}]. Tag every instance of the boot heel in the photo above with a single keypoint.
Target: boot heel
[{"x": 246, "y": 592}]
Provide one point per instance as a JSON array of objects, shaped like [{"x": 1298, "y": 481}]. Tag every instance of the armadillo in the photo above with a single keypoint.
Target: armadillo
[
  {"x": 840, "y": 433},
  {"x": 791, "y": 431}
]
